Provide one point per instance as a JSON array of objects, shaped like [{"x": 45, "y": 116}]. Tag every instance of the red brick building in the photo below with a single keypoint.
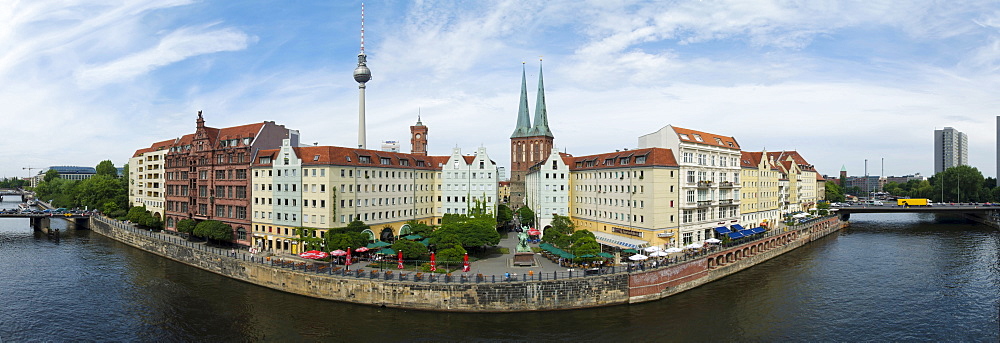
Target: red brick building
[{"x": 208, "y": 173}]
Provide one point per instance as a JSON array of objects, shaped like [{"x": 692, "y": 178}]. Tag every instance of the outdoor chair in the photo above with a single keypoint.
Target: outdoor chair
[
  {"x": 418, "y": 277},
  {"x": 388, "y": 274}
]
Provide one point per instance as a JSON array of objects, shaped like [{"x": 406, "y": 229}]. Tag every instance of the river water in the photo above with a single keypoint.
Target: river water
[{"x": 900, "y": 277}]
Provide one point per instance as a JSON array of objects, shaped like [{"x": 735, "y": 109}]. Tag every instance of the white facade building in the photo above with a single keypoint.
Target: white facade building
[
  {"x": 710, "y": 178},
  {"x": 467, "y": 182},
  {"x": 548, "y": 188}
]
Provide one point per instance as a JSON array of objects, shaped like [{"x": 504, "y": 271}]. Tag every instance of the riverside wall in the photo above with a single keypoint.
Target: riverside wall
[{"x": 570, "y": 293}]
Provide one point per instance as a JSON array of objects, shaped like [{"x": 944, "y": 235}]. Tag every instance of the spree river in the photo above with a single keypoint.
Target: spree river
[{"x": 886, "y": 278}]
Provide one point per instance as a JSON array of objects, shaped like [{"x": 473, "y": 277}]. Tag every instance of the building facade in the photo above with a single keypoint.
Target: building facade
[
  {"x": 628, "y": 199},
  {"x": 146, "y": 184},
  {"x": 469, "y": 182},
  {"x": 951, "y": 149},
  {"x": 547, "y": 187},
  {"x": 759, "y": 202},
  {"x": 710, "y": 180},
  {"x": 208, "y": 173}
]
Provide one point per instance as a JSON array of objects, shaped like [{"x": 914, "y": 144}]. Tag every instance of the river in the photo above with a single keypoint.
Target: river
[{"x": 889, "y": 277}]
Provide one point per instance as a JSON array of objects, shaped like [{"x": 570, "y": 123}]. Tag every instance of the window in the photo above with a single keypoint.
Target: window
[
  {"x": 364, "y": 159},
  {"x": 690, "y": 176},
  {"x": 385, "y": 161}
]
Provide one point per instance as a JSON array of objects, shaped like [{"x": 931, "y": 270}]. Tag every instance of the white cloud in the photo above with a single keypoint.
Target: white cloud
[{"x": 175, "y": 46}]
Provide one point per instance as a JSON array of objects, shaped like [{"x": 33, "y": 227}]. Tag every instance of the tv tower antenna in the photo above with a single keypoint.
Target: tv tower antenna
[{"x": 362, "y": 75}]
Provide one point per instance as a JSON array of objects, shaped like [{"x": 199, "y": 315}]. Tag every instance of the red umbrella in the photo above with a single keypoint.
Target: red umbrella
[
  {"x": 313, "y": 254},
  {"x": 347, "y": 261},
  {"x": 400, "y": 259},
  {"x": 534, "y": 232},
  {"x": 433, "y": 267},
  {"x": 338, "y": 252},
  {"x": 465, "y": 262},
  {"x": 361, "y": 249}
]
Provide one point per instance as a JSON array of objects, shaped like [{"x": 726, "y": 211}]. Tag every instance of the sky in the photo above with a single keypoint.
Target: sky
[{"x": 839, "y": 81}]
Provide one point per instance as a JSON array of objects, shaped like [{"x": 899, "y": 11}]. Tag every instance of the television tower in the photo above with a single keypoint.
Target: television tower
[{"x": 362, "y": 75}]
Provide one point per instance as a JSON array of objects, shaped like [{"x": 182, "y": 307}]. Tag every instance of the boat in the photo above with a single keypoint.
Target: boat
[{"x": 31, "y": 203}]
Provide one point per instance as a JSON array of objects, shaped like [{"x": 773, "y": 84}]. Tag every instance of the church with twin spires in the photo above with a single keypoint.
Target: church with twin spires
[{"x": 529, "y": 144}]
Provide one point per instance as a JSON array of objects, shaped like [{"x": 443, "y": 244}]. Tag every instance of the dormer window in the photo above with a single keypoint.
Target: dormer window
[
  {"x": 718, "y": 140},
  {"x": 697, "y": 137},
  {"x": 316, "y": 158},
  {"x": 685, "y": 136}
]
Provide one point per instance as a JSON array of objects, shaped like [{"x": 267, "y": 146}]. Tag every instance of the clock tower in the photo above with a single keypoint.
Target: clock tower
[{"x": 418, "y": 138}]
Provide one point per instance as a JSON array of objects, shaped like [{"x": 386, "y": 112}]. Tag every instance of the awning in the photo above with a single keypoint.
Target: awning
[
  {"x": 609, "y": 239},
  {"x": 722, "y": 230},
  {"x": 735, "y": 235},
  {"x": 757, "y": 230},
  {"x": 746, "y": 232},
  {"x": 737, "y": 227}
]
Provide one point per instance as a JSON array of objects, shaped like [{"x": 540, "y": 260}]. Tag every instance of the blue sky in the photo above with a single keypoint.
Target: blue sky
[{"x": 839, "y": 81}]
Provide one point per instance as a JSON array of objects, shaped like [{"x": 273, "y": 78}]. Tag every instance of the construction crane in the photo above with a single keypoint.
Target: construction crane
[{"x": 29, "y": 169}]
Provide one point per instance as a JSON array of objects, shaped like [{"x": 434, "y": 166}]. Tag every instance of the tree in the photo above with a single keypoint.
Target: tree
[
  {"x": 420, "y": 228},
  {"x": 833, "y": 192},
  {"x": 357, "y": 226},
  {"x": 469, "y": 232},
  {"x": 958, "y": 184},
  {"x": 214, "y": 229},
  {"x": 450, "y": 252},
  {"x": 411, "y": 250},
  {"x": 308, "y": 238},
  {"x": 526, "y": 215},
  {"x": 342, "y": 241},
  {"x": 50, "y": 175},
  {"x": 186, "y": 226},
  {"x": 107, "y": 168},
  {"x": 586, "y": 245},
  {"x": 504, "y": 214}
]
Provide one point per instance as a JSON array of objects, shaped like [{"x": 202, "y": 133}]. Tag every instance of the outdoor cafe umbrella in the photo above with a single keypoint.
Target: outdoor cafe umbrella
[
  {"x": 652, "y": 248},
  {"x": 465, "y": 262},
  {"x": 713, "y": 240},
  {"x": 693, "y": 246},
  {"x": 433, "y": 266},
  {"x": 534, "y": 232},
  {"x": 361, "y": 249},
  {"x": 313, "y": 254},
  {"x": 660, "y": 253},
  {"x": 379, "y": 244},
  {"x": 338, "y": 252},
  {"x": 638, "y": 257},
  {"x": 673, "y": 250},
  {"x": 400, "y": 254}
]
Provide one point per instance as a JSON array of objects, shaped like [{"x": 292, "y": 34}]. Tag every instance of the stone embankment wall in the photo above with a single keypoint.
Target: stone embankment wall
[
  {"x": 571, "y": 293},
  {"x": 578, "y": 292},
  {"x": 663, "y": 282}
]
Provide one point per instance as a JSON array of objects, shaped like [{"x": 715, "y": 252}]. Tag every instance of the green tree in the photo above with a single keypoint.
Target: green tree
[
  {"x": 420, "y": 228},
  {"x": 833, "y": 192},
  {"x": 214, "y": 230},
  {"x": 504, "y": 214},
  {"x": 186, "y": 226},
  {"x": 107, "y": 168},
  {"x": 357, "y": 226},
  {"x": 958, "y": 184},
  {"x": 585, "y": 245},
  {"x": 450, "y": 252},
  {"x": 309, "y": 238},
  {"x": 526, "y": 215},
  {"x": 50, "y": 175},
  {"x": 411, "y": 250},
  {"x": 469, "y": 232},
  {"x": 342, "y": 241}
]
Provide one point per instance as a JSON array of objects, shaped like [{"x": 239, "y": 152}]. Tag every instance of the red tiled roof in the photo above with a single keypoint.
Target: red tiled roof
[
  {"x": 782, "y": 157},
  {"x": 707, "y": 138},
  {"x": 654, "y": 157},
  {"x": 341, "y": 156}
]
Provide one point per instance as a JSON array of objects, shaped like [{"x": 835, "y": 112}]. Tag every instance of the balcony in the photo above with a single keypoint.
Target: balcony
[
  {"x": 704, "y": 184},
  {"x": 725, "y": 184},
  {"x": 726, "y": 202},
  {"x": 705, "y": 203}
]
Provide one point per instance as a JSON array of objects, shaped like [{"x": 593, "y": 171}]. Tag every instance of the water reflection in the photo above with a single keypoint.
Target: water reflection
[{"x": 888, "y": 277}]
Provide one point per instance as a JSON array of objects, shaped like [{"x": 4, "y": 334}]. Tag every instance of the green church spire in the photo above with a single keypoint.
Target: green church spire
[
  {"x": 523, "y": 119},
  {"x": 541, "y": 127}
]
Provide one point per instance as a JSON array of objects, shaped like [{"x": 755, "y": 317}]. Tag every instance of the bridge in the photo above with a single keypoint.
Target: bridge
[
  {"x": 40, "y": 221},
  {"x": 978, "y": 210},
  {"x": 12, "y": 192}
]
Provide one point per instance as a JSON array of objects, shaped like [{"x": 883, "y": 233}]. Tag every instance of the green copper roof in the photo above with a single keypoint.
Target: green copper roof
[
  {"x": 541, "y": 127},
  {"x": 843, "y": 167},
  {"x": 523, "y": 121}
]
